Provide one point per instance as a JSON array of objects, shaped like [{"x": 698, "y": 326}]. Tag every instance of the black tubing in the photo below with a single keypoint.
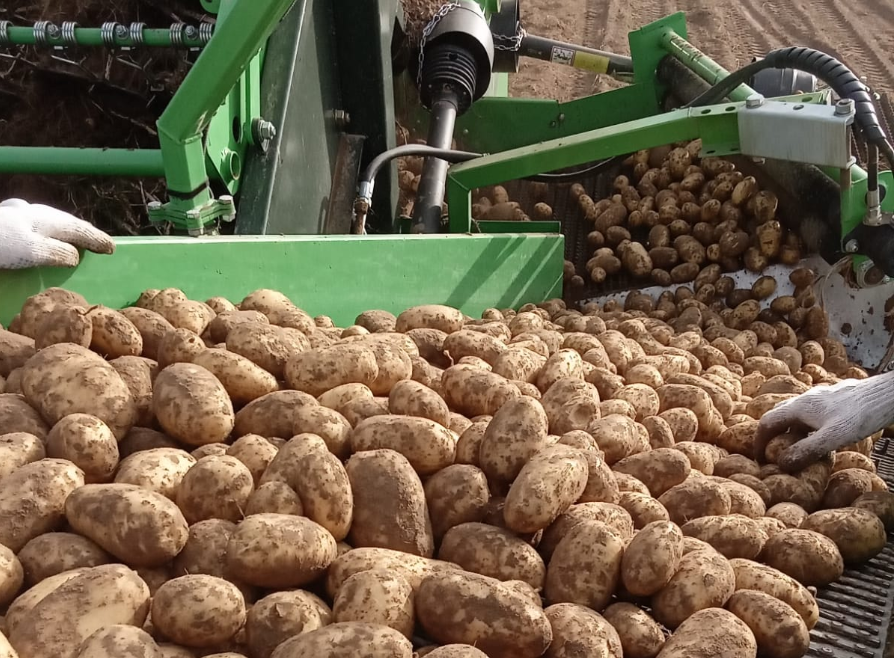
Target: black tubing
[{"x": 380, "y": 160}]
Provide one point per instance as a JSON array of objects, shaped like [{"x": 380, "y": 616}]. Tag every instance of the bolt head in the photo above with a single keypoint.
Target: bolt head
[
  {"x": 154, "y": 205},
  {"x": 753, "y": 101},
  {"x": 844, "y": 107},
  {"x": 851, "y": 246}
]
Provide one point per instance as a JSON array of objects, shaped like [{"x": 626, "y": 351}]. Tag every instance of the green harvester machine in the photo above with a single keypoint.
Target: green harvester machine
[
  {"x": 279, "y": 154},
  {"x": 291, "y": 101}
]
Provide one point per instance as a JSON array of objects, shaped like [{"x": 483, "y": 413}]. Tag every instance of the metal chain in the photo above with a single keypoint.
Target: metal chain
[
  {"x": 443, "y": 10},
  {"x": 513, "y": 42}
]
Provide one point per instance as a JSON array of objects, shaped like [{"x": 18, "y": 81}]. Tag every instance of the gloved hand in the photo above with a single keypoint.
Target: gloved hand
[
  {"x": 837, "y": 415},
  {"x": 34, "y": 235}
]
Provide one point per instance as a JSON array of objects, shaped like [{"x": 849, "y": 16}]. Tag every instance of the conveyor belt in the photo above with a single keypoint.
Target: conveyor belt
[{"x": 855, "y": 611}]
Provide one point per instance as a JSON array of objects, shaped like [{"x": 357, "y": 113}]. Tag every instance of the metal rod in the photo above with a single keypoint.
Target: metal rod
[
  {"x": 433, "y": 181},
  {"x": 51, "y": 36},
  {"x": 579, "y": 57},
  {"x": 138, "y": 163},
  {"x": 697, "y": 61}
]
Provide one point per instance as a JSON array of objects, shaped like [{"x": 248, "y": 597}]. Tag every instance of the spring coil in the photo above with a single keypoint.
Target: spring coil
[
  {"x": 177, "y": 34},
  {"x": 107, "y": 32},
  {"x": 136, "y": 34},
  {"x": 68, "y": 33}
]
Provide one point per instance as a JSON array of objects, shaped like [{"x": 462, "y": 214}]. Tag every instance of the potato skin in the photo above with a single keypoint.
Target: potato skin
[
  {"x": 282, "y": 615},
  {"x": 377, "y": 596},
  {"x": 652, "y": 558},
  {"x": 216, "y": 487},
  {"x": 18, "y": 449},
  {"x": 119, "y": 641},
  {"x": 347, "y": 639},
  {"x": 86, "y": 442},
  {"x": 658, "y": 469},
  {"x": 428, "y": 446},
  {"x": 64, "y": 379},
  {"x": 709, "y": 633},
  {"x": 494, "y": 552},
  {"x": 579, "y": 631},
  {"x": 139, "y": 527},
  {"x": 158, "y": 469},
  {"x": 316, "y": 371},
  {"x": 805, "y": 555},
  {"x": 704, "y": 579},
  {"x": 279, "y": 550},
  {"x": 216, "y": 610},
  {"x": 858, "y": 534},
  {"x": 33, "y": 499},
  {"x": 55, "y": 552},
  {"x": 640, "y": 635},
  {"x": 551, "y": 481},
  {"x": 779, "y": 630},
  {"x": 191, "y": 405},
  {"x": 389, "y": 504},
  {"x": 516, "y": 432},
  {"x": 66, "y": 616},
  {"x": 243, "y": 380},
  {"x": 448, "y": 605},
  {"x": 585, "y": 566},
  {"x": 732, "y": 536},
  {"x": 457, "y": 494},
  {"x": 695, "y": 498}
]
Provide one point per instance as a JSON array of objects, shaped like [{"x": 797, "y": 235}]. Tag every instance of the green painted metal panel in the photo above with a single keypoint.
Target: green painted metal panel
[
  {"x": 339, "y": 276},
  {"x": 499, "y": 124},
  {"x": 497, "y": 226}
]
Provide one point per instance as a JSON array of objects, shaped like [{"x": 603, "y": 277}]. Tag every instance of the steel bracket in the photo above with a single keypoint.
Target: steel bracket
[
  {"x": 195, "y": 221},
  {"x": 796, "y": 132}
]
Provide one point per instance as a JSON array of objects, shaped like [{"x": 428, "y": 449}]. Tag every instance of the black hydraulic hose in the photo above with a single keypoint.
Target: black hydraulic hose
[
  {"x": 826, "y": 68},
  {"x": 450, "y": 155}
]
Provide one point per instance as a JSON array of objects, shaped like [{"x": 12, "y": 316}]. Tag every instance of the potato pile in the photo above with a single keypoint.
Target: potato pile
[
  {"x": 673, "y": 214},
  {"x": 184, "y": 478},
  {"x": 491, "y": 203}
]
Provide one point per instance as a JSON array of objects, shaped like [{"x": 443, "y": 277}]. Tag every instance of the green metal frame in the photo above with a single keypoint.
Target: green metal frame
[
  {"x": 474, "y": 266},
  {"x": 339, "y": 276},
  {"x": 206, "y": 129}
]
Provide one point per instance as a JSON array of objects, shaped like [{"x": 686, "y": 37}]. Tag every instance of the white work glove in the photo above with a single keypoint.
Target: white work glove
[
  {"x": 34, "y": 235},
  {"x": 837, "y": 416}
]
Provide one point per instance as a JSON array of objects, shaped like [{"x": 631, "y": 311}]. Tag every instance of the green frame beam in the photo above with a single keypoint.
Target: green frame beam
[
  {"x": 48, "y": 160},
  {"x": 339, "y": 276}
]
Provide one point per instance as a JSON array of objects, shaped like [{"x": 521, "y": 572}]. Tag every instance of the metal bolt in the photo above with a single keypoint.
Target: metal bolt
[
  {"x": 754, "y": 101},
  {"x": 844, "y": 107},
  {"x": 851, "y": 246},
  {"x": 266, "y": 130},
  {"x": 154, "y": 206},
  {"x": 342, "y": 118}
]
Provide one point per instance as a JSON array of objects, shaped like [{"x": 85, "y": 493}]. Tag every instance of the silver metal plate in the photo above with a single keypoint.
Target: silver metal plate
[{"x": 797, "y": 132}]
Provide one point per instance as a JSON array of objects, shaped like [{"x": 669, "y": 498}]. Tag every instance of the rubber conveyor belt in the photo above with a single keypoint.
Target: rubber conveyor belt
[{"x": 855, "y": 611}]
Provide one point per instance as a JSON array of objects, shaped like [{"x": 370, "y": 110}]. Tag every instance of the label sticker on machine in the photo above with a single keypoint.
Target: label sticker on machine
[
  {"x": 579, "y": 60},
  {"x": 562, "y": 56}
]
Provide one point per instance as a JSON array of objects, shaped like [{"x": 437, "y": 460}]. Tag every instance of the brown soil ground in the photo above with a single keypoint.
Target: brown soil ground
[
  {"x": 112, "y": 100},
  {"x": 858, "y": 32}
]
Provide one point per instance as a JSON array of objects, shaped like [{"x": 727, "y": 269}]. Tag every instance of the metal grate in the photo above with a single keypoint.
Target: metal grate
[{"x": 856, "y": 611}]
